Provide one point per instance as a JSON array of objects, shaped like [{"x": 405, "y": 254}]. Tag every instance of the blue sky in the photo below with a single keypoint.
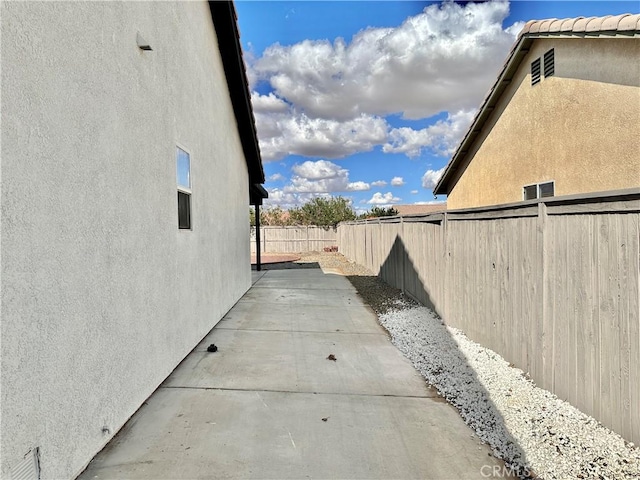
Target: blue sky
[{"x": 369, "y": 99}]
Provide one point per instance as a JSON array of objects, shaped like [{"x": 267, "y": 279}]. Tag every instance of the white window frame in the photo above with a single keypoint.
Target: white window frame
[
  {"x": 537, "y": 185},
  {"x": 182, "y": 189}
]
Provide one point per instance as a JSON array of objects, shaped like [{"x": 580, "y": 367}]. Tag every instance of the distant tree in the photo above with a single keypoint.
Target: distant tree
[
  {"x": 274, "y": 216},
  {"x": 379, "y": 212},
  {"x": 252, "y": 216},
  {"x": 324, "y": 212}
]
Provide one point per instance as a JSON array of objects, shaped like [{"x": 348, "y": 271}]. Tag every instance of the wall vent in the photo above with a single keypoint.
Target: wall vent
[
  {"x": 29, "y": 467},
  {"x": 549, "y": 63},
  {"x": 538, "y": 190},
  {"x": 546, "y": 189},
  {"x": 530, "y": 192},
  {"x": 535, "y": 72}
]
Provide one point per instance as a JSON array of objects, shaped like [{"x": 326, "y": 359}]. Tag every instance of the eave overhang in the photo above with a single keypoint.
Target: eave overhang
[
  {"x": 257, "y": 193},
  {"x": 224, "y": 18}
]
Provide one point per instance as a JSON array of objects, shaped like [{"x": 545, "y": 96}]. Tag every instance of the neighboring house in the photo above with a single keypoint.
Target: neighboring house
[
  {"x": 129, "y": 156},
  {"x": 420, "y": 209},
  {"x": 562, "y": 118}
]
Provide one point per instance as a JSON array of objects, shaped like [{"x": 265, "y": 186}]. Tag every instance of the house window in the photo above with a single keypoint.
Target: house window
[
  {"x": 183, "y": 169},
  {"x": 549, "y": 63},
  {"x": 535, "y": 72},
  {"x": 538, "y": 190}
]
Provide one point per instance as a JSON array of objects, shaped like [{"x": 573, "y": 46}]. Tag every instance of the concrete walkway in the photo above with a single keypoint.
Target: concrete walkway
[{"x": 269, "y": 404}]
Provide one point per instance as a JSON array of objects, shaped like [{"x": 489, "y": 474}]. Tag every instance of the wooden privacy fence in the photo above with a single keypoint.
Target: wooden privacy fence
[
  {"x": 552, "y": 285},
  {"x": 294, "y": 239}
]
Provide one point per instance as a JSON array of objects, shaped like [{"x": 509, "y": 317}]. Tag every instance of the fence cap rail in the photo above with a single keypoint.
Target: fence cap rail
[
  {"x": 587, "y": 202},
  {"x": 593, "y": 197}
]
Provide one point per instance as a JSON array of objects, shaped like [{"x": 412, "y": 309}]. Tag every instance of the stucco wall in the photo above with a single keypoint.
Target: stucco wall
[
  {"x": 102, "y": 295},
  {"x": 578, "y": 128}
]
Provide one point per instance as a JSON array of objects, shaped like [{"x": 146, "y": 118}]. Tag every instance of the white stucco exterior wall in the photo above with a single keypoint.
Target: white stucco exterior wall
[{"x": 102, "y": 294}]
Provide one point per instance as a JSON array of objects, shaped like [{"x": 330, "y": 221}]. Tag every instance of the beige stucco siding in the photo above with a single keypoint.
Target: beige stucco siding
[
  {"x": 102, "y": 294},
  {"x": 578, "y": 128}
]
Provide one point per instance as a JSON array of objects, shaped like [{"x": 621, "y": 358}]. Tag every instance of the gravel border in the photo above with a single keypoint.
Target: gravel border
[{"x": 534, "y": 432}]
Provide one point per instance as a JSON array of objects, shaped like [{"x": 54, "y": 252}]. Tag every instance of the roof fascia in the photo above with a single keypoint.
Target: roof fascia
[{"x": 223, "y": 15}]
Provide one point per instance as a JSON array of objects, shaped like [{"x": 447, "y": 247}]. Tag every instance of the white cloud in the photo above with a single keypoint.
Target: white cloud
[
  {"x": 383, "y": 199},
  {"x": 360, "y": 210},
  {"x": 442, "y": 137},
  {"x": 288, "y": 132},
  {"x": 276, "y": 177},
  {"x": 322, "y": 176},
  {"x": 278, "y": 197},
  {"x": 414, "y": 192},
  {"x": 358, "y": 186},
  {"x": 397, "y": 181},
  {"x": 268, "y": 103},
  {"x": 379, "y": 183},
  {"x": 443, "y": 59},
  {"x": 431, "y": 177},
  {"x": 320, "y": 170}
]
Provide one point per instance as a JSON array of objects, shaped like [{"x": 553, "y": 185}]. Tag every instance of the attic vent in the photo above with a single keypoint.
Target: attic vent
[
  {"x": 546, "y": 189},
  {"x": 29, "y": 467},
  {"x": 530, "y": 192},
  {"x": 549, "y": 66},
  {"x": 535, "y": 72},
  {"x": 538, "y": 190}
]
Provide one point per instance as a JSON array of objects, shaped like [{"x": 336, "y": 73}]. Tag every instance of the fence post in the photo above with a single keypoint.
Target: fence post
[
  {"x": 405, "y": 256},
  {"x": 446, "y": 266},
  {"x": 308, "y": 250},
  {"x": 264, "y": 236}
]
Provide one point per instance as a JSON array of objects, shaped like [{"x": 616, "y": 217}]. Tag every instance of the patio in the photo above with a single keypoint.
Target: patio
[{"x": 270, "y": 403}]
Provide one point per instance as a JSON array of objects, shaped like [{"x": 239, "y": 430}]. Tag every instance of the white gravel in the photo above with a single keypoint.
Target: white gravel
[{"x": 537, "y": 434}]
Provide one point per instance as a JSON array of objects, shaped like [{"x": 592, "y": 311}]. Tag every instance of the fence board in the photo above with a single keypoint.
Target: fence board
[{"x": 275, "y": 239}]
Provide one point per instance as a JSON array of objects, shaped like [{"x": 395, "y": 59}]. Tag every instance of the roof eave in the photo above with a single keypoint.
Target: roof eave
[
  {"x": 223, "y": 15},
  {"x": 257, "y": 193}
]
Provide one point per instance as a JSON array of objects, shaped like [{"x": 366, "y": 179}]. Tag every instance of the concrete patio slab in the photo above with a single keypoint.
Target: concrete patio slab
[
  {"x": 284, "y": 279},
  {"x": 304, "y": 296},
  {"x": 254, "y": 316},
  {"x": 269, "y": 404},
  {"x": 205, "y": 434},
  {"x": 297, "y": 362},
  {"x": 255, "y": 276}
]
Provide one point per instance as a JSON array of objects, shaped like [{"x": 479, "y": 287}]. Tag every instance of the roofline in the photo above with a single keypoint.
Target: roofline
[
  {"x": 223, "y": 15},
  {"x": 568, "y": 28},
  {"x": 257, "y": 193},
  {"x": 517, "y": 53}
]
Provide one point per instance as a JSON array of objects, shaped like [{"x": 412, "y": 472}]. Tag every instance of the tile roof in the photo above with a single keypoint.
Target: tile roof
[
  {"x": 583, "y": 25},
  {"x": 625, "y": 25}
]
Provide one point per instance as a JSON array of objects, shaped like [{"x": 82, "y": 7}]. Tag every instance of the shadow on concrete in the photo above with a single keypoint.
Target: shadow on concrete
[
  {"x": 448, "y": 366},
  {"x": 287, "y": 266}
]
